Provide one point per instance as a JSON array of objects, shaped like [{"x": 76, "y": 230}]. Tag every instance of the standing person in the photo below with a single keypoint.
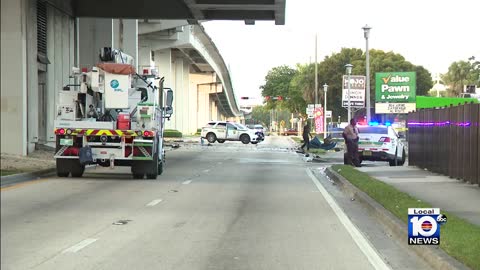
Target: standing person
[
  {"x": 306, "y": 137},
  {"x": 350, "y": 134}
]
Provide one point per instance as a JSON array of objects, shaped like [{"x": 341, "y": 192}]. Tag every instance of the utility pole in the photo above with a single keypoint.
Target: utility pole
[
  {"x": 349, "y": 72},
  {"x": 325, "y": 89},
  {"x": 366, "y": 33},
  {"x": 316, "y": 78}
]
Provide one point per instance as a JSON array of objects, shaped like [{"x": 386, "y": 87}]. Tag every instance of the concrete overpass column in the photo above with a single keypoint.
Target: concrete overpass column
[
  {"x": 163, "y": 61},
  {"x": 94, "y": 33},
  {"x": 14, "y": 77},
  {"x": 186, "y": 109},
  {"x": 125, "y": 37},
  {"x": 214, "y": 111},
  {"x": 202, "y": 106},
  {"x": 144, "y": 58},
  {"x": 179, "y": 100}
]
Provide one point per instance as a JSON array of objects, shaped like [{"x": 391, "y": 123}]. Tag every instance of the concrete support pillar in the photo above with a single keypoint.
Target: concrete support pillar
[
  {"x": 33, "y": 103},
  {"x": 94, "y": 33},
  {"x": 125, "y": 37},
  {"x": 144, "y": 58},
  {"x": 179, "y": 100},
  {"x": 61, "y": 54},
  {"x": 14, "y": 77},
  {"x": 163, "y": 61},
  {"x": 186, "y": 104}
]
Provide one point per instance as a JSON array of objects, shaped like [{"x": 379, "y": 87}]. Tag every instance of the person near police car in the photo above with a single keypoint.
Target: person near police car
[
  {"x": 350, "y": 135},
  {"x": 306, "y": 137}
]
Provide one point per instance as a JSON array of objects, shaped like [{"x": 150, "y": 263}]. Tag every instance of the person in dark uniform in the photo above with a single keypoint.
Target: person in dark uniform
[
  {"x": 306, "y": 137},
  {"x": 350, "y": 134}
]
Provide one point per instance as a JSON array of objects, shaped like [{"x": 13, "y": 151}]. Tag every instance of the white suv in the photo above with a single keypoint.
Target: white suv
[
  {"x": 381, "y": 143},
  {"x": 222, "y": 131}
]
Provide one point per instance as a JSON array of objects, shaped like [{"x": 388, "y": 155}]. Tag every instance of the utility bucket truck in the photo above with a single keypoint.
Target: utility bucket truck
[{"x": 112, "y": 117}]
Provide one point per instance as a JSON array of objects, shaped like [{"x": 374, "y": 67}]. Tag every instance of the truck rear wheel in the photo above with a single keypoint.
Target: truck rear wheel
[
  {"x": 137, "y": 176},
  {"x": 150, "y": 168},
  {"x": 62, "y": 167},
  {"x": 67, "y": 166},
  {"x": 76, "y": 168}
]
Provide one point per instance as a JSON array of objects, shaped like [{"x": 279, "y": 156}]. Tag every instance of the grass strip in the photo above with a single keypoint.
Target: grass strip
[
  {"x": 297, "y": 139},
  {"x": 459, "y": 238},
  {"x": 10, "y": 172}
]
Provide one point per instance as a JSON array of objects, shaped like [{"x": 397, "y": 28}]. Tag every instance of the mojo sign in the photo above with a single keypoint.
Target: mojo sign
[{"x": 357, "y": 91}]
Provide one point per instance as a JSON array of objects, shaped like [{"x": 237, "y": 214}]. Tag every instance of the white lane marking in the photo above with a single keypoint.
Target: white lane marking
[
  {"x": 364, "y": 245},
  {"x": 80, "y": 245},
  {"x": 187, "y": 182},
  {"x": 154, "y": 202}
]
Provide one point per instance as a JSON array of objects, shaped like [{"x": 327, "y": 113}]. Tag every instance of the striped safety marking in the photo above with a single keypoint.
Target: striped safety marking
[{"x": 100, "y": 132}]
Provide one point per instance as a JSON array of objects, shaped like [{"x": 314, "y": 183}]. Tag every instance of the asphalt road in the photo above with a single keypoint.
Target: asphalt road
[{"x": 226, "y": 206}]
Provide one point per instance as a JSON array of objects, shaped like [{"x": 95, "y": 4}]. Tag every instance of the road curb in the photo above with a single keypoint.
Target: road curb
[
  {"x": 434, "y": 256},
  {"x": 24, "y": 177}
]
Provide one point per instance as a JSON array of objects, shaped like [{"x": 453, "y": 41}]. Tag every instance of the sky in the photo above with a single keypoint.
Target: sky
[{"x": 429, "y": 33}]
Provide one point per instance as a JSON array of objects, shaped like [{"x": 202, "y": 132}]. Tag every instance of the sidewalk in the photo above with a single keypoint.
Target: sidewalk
[
  {"x": 184, "y": 139},
  {"x": 39, "y": 160},
  {"x": 454, "y": 196}
]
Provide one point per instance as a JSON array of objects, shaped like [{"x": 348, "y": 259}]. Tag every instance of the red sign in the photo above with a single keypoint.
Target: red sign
[{"x": 318, "y": 116}]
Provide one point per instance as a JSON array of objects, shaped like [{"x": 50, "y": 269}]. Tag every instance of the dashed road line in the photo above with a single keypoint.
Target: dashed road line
[
  {"x": 154, "y": 202},
  {"x": 79, "y": 246}
]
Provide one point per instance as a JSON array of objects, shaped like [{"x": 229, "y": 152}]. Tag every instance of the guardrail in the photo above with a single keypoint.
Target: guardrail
[{"x": 446, "y": 141}]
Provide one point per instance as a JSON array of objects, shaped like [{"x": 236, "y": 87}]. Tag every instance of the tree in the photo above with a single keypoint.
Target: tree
[
  {"x": 299, "y": 84},
  {"x": 277, "y": 83},
  {"x": 261, "y": 114},
  {"x": 424, "y": 81},
  {"x": 462, "y": 73}
]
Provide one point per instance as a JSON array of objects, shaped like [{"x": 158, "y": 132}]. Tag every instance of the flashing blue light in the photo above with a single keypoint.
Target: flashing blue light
[
  {"x": 373, "y": 123},
  {"x": 388, "y": 124}
]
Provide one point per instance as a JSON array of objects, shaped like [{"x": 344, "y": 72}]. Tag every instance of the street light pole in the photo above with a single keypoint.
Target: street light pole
[
  {"x": 349, "y": 72},
  {"x": 366, "y": 33},
  {"x": 325, "y": 89},
  {"x": 316, "y": 74}
]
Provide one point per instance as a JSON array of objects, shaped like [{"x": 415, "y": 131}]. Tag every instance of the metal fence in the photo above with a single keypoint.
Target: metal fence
[{"x": 446, "y": 141}]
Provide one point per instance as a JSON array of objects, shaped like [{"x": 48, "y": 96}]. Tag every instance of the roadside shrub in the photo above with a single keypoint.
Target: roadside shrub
[{"x": 172, "y": 133}]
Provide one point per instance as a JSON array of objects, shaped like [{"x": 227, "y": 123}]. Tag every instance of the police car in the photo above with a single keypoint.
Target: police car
[
  {"x": 381, "y": 143},
  {"x": 222, "y": 131}
]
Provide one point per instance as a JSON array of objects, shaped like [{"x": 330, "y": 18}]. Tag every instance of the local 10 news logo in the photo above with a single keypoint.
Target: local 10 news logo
[{"x": 424, "y": 226}]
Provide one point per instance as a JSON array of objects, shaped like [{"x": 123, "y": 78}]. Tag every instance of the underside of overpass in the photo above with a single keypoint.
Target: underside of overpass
[{"x": 190, "y": 10}]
